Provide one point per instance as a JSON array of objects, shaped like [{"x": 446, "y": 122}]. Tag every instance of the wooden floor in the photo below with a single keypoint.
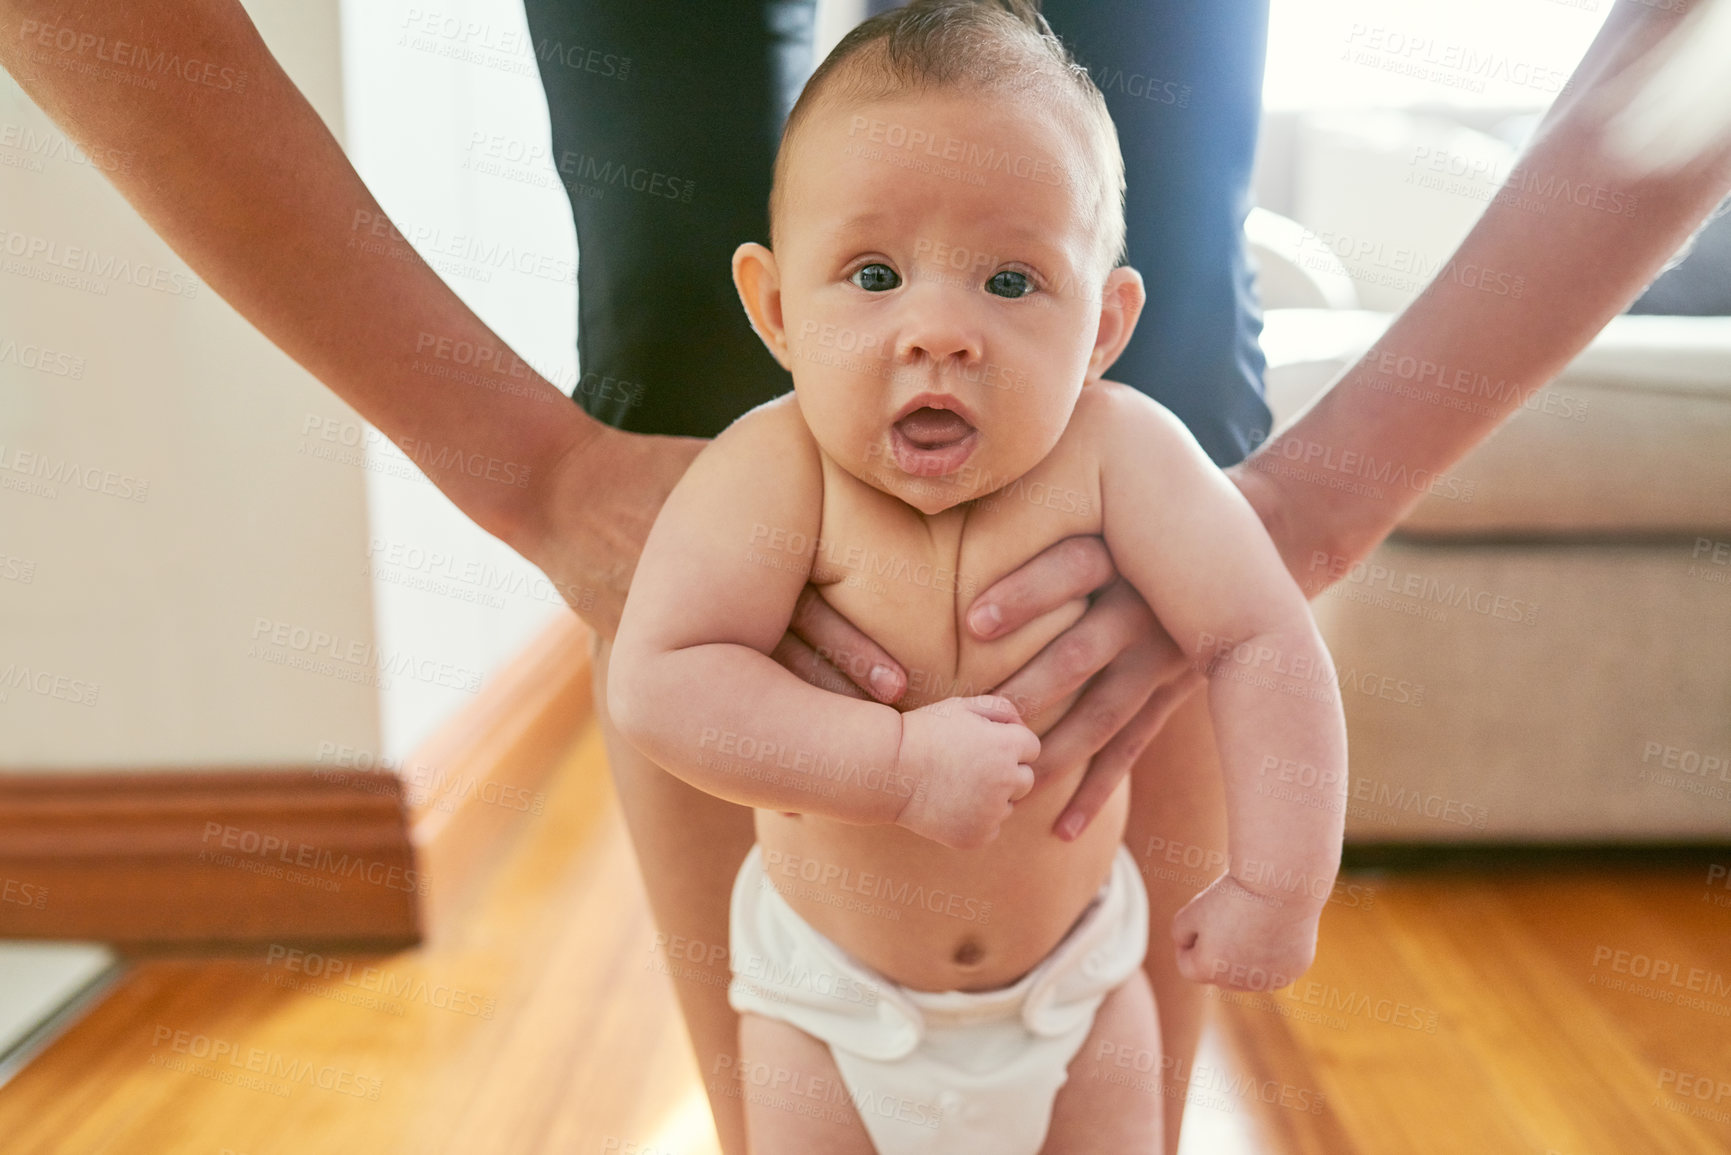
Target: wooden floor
[{"x": 1448, "y": 1013}]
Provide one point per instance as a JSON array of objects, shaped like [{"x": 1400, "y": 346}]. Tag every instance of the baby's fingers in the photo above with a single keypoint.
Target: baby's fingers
[
  {"x": 994, "y": 708},
  {"x": 1213, "y": 958}
]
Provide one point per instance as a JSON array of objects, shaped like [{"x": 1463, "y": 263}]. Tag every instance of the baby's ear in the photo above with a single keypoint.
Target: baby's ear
[
  {"x": 1121, "y": 302},
  {"x": 758, "y": 280}
]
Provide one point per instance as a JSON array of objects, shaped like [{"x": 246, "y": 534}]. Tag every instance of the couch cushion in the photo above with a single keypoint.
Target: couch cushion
[
  {"x": 1634, "y": 437},
  {"x": 1552, "y": 691}
]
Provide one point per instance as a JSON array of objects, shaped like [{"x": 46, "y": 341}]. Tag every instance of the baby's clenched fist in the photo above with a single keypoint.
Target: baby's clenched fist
[
  {"x": 970, "y": 760},
  {"x": 1234, "y": 937}
]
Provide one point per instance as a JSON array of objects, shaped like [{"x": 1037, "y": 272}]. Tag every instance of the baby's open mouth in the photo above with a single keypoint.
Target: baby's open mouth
[
  {"x": 931, "y": 442},
  {"x": 929, "y": 428}
]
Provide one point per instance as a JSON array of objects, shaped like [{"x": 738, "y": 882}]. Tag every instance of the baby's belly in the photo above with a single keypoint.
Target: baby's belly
[{"x": 932, "y": 918}]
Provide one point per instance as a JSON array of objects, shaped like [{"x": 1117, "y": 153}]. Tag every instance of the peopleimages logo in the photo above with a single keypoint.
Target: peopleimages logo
[
  {"x": 258, "y": 844},
  {"x": 955, "y": 150}
]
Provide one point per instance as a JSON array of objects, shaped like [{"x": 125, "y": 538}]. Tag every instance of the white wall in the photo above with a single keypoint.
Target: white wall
[
  {"x": 835, "y": 19},
  {"x": 161, "y": 612},
  {"x": 1401, "y": 53},
  {"x": 144, "y": 610},
  {"x": 448, "y": 126}
]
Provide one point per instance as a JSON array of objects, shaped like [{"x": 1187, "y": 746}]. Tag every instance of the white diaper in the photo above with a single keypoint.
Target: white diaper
[{"x": 944, "y": 1072}]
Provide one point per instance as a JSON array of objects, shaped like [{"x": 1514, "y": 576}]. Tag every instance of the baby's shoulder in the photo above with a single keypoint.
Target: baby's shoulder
[
  {"x": 772, "y": 438},
  {"x": 1112, "y": 419},
  {"x": 776, "y": 420},
  {"x": 1106, "y": 405}
]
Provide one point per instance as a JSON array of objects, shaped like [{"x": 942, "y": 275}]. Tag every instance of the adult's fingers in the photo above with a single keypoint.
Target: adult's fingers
[
  {"x": 1113, "y": 697},
  {"x": 840, "y": 643},
  {"x": 1116, "y": 621},
  {"x": 807, "y": 664},
  {"x": 1116, "y": 758},
  {"x": 1072, "y": 568}
]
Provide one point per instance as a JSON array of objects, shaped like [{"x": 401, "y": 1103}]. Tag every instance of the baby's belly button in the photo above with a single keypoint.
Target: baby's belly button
[{"x": 969, "y": 952}]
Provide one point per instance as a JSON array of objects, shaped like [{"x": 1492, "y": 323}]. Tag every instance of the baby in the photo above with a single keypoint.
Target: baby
[{"x": 920, "y": 963}]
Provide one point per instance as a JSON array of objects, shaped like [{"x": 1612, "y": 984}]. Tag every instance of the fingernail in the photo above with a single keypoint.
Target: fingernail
[
  {"x": 1072, "y": 826},
  {"x": 985, "y": 620},
  {"x": 884, "y": 681}
]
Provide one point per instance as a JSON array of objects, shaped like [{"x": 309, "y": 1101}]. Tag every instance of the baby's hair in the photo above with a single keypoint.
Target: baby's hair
[{"x": 971, "y": 45}]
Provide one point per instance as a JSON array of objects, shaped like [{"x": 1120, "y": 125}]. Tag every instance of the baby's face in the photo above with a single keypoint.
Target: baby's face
[{"x": 938, "y": 293}]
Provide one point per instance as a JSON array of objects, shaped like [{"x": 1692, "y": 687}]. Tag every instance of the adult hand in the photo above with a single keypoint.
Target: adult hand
[
  {"x": 1135, "y": 674},
  {"x": 594, "y": 511},
  {"x": 1316, "y": 550}
]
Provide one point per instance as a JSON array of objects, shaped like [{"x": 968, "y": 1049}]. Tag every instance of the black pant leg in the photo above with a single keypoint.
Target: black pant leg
[
  {"x": 665, "y": 118},
  {"x": 1183, "y": 80}
]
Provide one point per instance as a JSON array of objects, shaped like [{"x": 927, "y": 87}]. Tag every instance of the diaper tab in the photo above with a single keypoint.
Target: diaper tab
[
  {"x": 963, "y": 1008},
  {"x": 1103, "y": 949}
]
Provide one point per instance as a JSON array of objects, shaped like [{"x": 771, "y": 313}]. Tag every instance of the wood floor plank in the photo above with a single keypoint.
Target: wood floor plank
[
  {"x": 1528, "y": 1057},
  {"x": 1289, "y": 1109},
  {"x": 1565, "y": 1073},
  {"x": 536, "y": 1023},
  {"x": 1661, "y": 1026},
  {"x": 1395, "y": 1075}
]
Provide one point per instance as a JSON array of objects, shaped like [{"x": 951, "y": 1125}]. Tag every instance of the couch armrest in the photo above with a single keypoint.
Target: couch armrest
[
  {"x": 1629, "y": 439},
  {"x": 1292, "y": 274}
]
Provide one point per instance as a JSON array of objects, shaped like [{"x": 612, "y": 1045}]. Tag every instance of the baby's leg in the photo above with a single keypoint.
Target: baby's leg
[
  {"x": 795, "y": 1103},
  {"x": 1112, "y": 1100}
]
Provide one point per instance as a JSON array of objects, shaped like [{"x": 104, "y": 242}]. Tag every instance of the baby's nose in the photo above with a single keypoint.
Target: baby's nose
[{"x": 935, "y": 325}]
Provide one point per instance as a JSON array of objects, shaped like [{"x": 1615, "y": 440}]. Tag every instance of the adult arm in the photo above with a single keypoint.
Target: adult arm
[{"x": 248, "y": 186}]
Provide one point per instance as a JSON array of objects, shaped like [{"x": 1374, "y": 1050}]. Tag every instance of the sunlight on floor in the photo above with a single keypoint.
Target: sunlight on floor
[
  {"x": 687, "y": 1129},
  {"x": 1215, "y": 1124}
]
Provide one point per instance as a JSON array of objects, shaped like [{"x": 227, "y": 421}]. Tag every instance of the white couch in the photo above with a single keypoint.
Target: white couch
[{"x": 1542, "y": 651}]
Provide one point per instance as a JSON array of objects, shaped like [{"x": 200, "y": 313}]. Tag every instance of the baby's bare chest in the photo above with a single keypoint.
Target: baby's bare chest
[{"x": 908, "y": 580}]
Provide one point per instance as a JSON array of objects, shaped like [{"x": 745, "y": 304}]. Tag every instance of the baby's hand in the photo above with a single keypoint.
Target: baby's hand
[
  {"x": 969, "y": 759},
  {"x": 1234, "y": 937}
]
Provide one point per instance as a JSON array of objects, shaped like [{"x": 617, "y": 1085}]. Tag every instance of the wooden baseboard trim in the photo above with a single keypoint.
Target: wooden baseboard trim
[
  {"x": 1535, "y": 855},
  {"x": 198, "y": 856},
  {"x": 234, "y": 856}
]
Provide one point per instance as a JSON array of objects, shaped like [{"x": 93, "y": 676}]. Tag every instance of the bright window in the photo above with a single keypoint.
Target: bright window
[{"x": 1400, "y": 53}]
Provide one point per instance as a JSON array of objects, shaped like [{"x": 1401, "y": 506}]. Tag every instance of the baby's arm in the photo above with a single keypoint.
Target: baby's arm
[
  {"x": 692, "y": 685},
  {"x": 1185, "y": 537}
]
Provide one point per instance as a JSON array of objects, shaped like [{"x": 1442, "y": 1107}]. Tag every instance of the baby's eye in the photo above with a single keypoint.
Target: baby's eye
[
  {"x": 875, "y": 278},
  {"x": 1010, "y": 283}
]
